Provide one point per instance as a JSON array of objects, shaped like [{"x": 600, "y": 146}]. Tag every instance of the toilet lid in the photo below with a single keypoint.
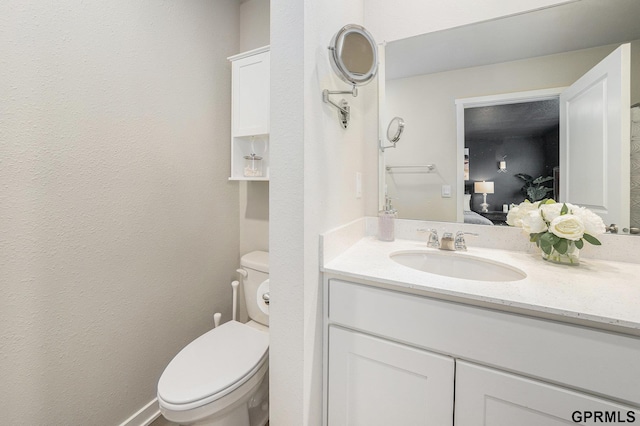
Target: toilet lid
[{"x": 214, "y": 362}]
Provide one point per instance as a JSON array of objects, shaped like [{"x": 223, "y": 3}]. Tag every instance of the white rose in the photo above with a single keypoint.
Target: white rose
[
  {"x": 567, "y": 226},
  {"x": 593, "y": 224},
  {"x": 516, "y": 214},
  {"x": 514, "y": 217},
  {"x": 551, "y": 211},
  {"x": 533, "y": 223}
]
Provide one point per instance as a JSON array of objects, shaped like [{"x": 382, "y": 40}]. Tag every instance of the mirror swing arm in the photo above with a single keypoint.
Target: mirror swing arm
[
  {"x": 382, "y": 148},
  {"x": 344, "y": 110}
]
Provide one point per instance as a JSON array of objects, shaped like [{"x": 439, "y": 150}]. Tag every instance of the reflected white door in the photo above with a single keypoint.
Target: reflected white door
[{"x": 595, "y": 139}]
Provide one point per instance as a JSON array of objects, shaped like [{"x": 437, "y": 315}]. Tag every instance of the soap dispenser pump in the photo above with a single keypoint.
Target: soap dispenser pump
[{"x": 387, "y": 221}]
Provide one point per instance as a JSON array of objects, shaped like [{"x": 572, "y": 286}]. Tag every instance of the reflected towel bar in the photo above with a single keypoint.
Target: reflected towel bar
[{"x": 430, "y": 167}]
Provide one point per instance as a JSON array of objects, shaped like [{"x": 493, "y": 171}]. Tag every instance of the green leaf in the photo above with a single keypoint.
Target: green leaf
[
  {"x": 535, "y": 237},
  {"x": 546, "y": 249},
  {"x": 561, "y": 246},
  {"x": 564, "y": 209},
  {"x": 591, "y": 240},
  {"x": 536, "y": 193},
  {"x": 546, "y": 240},
  {"x": 541, "y": 179},
  {"x": 525, "y": 177},
  {"x": 579, "y": 244}
]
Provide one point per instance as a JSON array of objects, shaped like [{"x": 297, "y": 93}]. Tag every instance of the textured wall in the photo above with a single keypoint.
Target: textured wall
[
  {"x": 118, "y": 227},
  {"x": 254, "y": 24},
  {"x": 312, "y": 189}
]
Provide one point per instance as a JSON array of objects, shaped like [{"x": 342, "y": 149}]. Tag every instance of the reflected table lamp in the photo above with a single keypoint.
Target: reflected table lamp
[{"x": 483, "y": 188}]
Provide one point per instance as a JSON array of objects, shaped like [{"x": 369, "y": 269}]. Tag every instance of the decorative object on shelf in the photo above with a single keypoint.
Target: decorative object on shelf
[
  {"x": 558, "y": 229},
  {"x": 353, "y": 54},
  {"x": 533, "y": 189},
  {"x": 394, "y": 131},
  {"x": 502, "y": 165},
  {"x": 252, "y": 165},
  {"x": 483, "y": 188}
]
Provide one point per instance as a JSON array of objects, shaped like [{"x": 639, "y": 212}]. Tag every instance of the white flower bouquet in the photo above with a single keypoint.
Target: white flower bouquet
[{"x": 559, "y": 229}]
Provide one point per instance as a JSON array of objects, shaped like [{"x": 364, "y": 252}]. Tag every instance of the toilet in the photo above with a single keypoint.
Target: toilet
[{"x": 221, "y": 378}]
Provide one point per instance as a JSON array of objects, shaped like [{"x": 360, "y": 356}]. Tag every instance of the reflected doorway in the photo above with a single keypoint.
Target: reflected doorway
[{"x": 515, "y": 146}]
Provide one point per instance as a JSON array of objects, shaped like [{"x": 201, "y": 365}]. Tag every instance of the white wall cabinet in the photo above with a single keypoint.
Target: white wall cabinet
[
  {"x": 250, "y": 111},
  {"x": 391, "y": 359},
  {"x": 377, "y": 382}
]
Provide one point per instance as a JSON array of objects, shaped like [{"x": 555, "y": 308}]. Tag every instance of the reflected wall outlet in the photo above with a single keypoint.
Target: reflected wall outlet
[{"x": 446, "y": 191}]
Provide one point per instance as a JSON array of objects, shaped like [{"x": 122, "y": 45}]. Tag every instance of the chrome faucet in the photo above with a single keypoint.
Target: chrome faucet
[
  {"x": 432, "y": 240},
  {"x": 460, "y": 243}
]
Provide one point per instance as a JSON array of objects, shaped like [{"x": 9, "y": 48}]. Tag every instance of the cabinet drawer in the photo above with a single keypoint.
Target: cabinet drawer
[{"x": 586, "y": 359}]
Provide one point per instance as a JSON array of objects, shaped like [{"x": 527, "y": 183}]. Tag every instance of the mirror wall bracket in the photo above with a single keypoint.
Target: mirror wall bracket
[
  {"x": 382, "y": 148},
  {"x": 343, "y": 107}
]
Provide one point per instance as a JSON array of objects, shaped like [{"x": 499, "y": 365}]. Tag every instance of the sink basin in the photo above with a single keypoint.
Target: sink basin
[{"x": 456, "y": 265}]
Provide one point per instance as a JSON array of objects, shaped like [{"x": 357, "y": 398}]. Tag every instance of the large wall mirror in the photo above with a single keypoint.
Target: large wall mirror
[{"x": 482, "y": 103}]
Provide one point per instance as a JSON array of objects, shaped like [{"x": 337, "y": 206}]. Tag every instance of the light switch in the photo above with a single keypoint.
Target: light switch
[
  {"x": 446, "y": 191},
  {"x": 358, "y": 185}
]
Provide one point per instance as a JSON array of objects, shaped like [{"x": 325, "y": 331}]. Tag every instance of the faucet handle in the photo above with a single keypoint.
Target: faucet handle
[
  {"x": 460, "y": 243},
  {"x": 433, "y": 241}
]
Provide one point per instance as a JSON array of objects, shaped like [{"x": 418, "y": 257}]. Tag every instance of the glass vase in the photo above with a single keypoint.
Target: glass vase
[{"x": 571, "y": 257}]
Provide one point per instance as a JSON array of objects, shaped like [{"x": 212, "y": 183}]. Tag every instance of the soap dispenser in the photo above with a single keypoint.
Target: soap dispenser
[{"x": 387, "y": 221}]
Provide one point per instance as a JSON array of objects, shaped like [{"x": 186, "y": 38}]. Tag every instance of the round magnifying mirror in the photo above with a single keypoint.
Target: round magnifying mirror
[
  {"x": 354, "y": 55},
  {"x": 395, "y": 129}
]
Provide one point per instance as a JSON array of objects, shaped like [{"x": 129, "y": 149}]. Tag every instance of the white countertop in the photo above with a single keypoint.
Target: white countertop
[{"x": 604, "y": 294}]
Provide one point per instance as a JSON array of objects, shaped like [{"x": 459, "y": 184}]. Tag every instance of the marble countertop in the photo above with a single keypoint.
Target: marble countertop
[{"x": 605, "y": 294}]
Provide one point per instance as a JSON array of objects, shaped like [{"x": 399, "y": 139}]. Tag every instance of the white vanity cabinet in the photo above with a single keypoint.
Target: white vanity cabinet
[
  {"x": 250, "y": 77},
  {"x": 510, "y": 369},
  {"x": 489, "y": 397},
  {"x": 378, "y": 382}
]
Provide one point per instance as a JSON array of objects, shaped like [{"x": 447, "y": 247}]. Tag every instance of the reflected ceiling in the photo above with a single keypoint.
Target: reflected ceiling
[
  {"x": 514, "y": 120},
  {"x": 544, "y": 32}
]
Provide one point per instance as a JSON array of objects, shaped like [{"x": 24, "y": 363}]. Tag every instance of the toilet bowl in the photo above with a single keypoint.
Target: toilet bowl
[{"x": 221, "y": 378}]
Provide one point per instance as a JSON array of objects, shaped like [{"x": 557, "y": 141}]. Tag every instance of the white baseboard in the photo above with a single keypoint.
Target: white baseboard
[{"x": 144, "y": 416}]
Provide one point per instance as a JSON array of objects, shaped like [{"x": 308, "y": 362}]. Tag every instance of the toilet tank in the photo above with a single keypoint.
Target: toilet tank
[{"x": 256, "y": 264}]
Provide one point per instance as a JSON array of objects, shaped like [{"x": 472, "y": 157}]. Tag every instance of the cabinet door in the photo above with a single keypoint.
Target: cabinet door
[
  {"x": 487, "y": 397},
  {"x": 375, "y": 382},
  {"x": 251, "y": 95}
]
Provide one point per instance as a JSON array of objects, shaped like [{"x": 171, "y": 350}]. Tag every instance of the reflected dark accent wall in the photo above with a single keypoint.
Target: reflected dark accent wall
[{"x": 532, "y": 155}]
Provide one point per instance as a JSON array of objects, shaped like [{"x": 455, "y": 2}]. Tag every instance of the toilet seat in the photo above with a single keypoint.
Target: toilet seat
[{"x": 213, "y": 365}]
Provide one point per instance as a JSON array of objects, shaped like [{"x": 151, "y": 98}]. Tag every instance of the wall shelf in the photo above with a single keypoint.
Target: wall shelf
[{"x": 250, "y": 112}]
